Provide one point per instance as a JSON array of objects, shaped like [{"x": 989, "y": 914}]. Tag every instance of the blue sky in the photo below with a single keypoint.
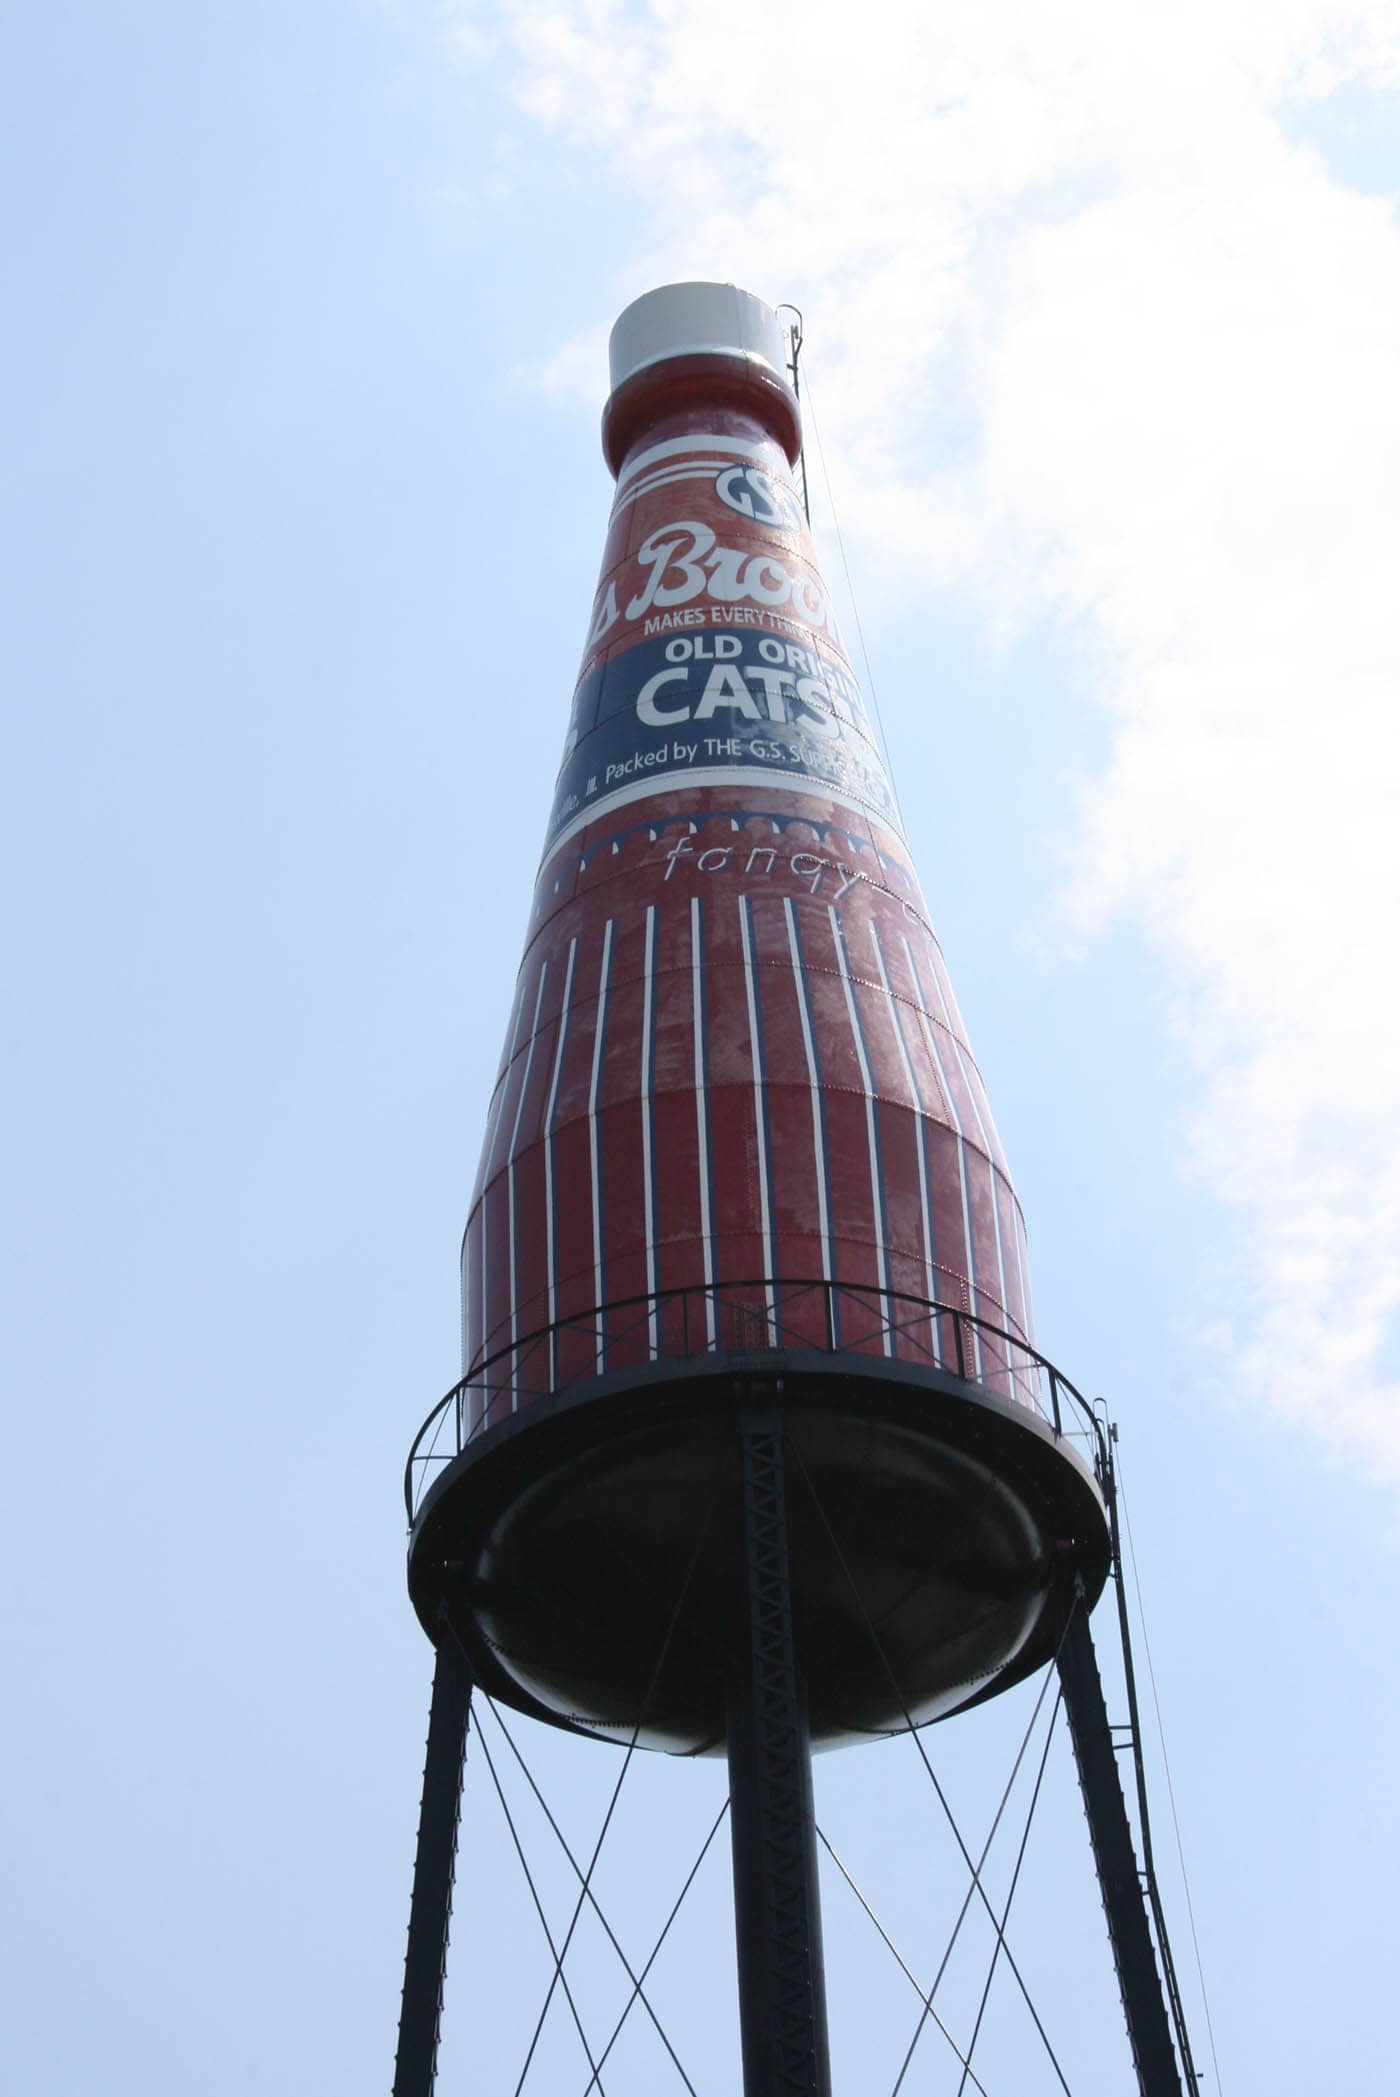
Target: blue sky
[{"x": 301, "y": 378}]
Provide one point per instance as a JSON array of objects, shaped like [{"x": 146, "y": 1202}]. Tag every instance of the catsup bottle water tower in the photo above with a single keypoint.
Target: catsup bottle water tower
[{"x": 753, "y": 1451}]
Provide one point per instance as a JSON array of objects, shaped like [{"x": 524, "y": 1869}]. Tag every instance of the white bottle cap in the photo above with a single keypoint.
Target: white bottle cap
[{"x": 696, "y": 320}]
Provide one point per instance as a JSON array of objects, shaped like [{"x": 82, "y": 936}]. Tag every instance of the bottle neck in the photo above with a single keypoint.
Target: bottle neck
[{"x": 737, "y": 395}]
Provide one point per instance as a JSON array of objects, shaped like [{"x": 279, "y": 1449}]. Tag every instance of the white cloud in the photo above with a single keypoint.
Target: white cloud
[{"x": 1165, "y": 340}]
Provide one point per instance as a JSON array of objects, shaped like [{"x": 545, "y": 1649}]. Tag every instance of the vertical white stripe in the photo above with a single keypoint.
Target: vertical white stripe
[
  {"x": 498, "y": 1098},
  {"x": 1001, "y": 1257},
  {"x": 471, "y": 1268},
  {"x": 1030, "y": 1383},
  {"x": 702, "y": 1112},
  {"x": 599, "y": 1029},
  {"x": 471, "y": 1402},
  {"x": 493, "y": 1115},
  {"x": 930, "y": 1279},
  {"x": 648, "y": 1186},
  {"x": 549, "y": 1134},
  {"x": 948, "y": 1000},
  {"x": 945, "y": 1090},
  {"x": 936, "y": 1059},
  {"x": 818, "y": 1141},
  {"x": 876, "y": 1204},
  {"x": 464, "y": 1397},
  {"x": 1023, "y": 1308},
  {"x": 988, "y": 1145},
  {"x": 755, "y": 1057},
  {"x": 510, "y": 1188},
  {"x": 1025, "y": 1375},
  {"x": 1023, "y": 1266}
]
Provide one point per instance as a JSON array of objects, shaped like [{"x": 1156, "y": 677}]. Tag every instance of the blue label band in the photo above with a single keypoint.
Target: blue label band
[{"x": 686, "y": 704}]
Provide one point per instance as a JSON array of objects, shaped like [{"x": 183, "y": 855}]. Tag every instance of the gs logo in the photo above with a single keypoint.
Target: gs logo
[{"x": 756, "y": 494}]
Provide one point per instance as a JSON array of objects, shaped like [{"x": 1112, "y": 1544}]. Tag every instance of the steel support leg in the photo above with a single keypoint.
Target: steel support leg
[
  {"x": 1115, "y": 1859},
  {"x": 430, "y": 1911},
  {"x": 777, "y": 1912}
]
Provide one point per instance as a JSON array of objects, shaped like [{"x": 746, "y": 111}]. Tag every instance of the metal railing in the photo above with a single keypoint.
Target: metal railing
[{"x": 759, "y": 1317}]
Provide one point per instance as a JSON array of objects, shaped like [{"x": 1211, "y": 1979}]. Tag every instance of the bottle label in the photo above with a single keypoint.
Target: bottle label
[{"x": 713, "y": 656}]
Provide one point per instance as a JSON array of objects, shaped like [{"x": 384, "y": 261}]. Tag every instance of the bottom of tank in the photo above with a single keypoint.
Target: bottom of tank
[{"x": 589, "y": 1551}]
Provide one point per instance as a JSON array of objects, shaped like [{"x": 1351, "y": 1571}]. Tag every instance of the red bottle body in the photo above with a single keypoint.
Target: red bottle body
[{"x": 736, "y": 1086}]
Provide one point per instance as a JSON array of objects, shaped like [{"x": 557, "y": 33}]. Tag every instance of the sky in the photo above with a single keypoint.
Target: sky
[{"x": 305, "y": 351}]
